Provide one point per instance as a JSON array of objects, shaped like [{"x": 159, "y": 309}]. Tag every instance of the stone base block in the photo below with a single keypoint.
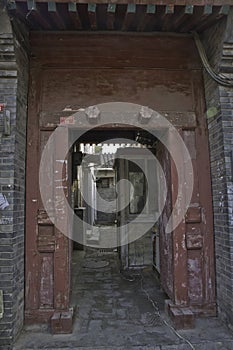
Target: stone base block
[
  {"x": 181, "y": 316},
  {"x": 62, "y": 322}
]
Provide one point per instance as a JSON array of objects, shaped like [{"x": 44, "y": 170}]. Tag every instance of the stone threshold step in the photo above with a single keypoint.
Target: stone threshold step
[{"x": 209, "y": 345}]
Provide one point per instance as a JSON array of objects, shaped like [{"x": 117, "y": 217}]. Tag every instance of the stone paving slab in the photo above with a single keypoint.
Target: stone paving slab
[
  {"x": 113, "y": 312},
  {"x": 202, "y": 346}
]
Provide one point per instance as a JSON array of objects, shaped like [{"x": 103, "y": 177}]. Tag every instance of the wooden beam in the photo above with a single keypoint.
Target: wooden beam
[
  {"x": 52, "y": 6},
  {"x": 200, "y": 14},
  {"x": 166, "y": 20},
  {"x": 208, "y": 9},
  {"x": 91, "y": 9},
  {"x": 218, "y": 13},
  {"x": 129, "y": 16},
  {"x": 111, "y": 12},
  {"x": 20, "y": 10},
  {"x": 55, "y": 16},
  {"x": 37, "y": 16},
  {"x": 11, "y": 5},
  {"x": 159, "y": 17},
  {"x": 31, "y": 5},
  {"x": 101, "y": 16},
  {"x": 62, "y": 10},
  {"x": 150, "y": 9},
  {"x": 184, "y": 14},
  {"x": 178, "y": 119},
  {"x": 225, "y": 9},
  {"x": 147, "y": 20},
  {"x": 169, "y": 10},
  {"x": 74, "y": 16}
]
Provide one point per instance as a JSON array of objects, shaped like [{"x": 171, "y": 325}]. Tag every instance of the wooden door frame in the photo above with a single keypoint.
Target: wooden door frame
[{"x": 34, "y": 218}]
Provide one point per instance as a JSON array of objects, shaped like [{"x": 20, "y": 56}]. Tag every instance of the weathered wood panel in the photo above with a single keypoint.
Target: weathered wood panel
[
  {"x": 205, "y": 199},
  {"x": 46, "y": 281},
  {"x": 114, "y": 50},
  {"x": 78, "y": 89},
  {"x": 166, "y": 239}
]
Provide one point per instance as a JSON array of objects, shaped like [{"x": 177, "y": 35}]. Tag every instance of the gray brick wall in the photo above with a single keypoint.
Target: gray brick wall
[
  {"x": 218, "y": 42},
  {"x": 13, "y": 92}
]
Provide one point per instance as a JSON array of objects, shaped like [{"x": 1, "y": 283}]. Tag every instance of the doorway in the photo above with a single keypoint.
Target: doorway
[
  {"x": 99, "y": 172},
  {"x": 105, "y": 272},
  {"x": 180, "y": 263},
  {"x": 172, "y": 86}
]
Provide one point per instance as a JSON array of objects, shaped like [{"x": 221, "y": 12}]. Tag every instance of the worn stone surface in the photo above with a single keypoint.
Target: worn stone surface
[{"x": 115, "y": 311}]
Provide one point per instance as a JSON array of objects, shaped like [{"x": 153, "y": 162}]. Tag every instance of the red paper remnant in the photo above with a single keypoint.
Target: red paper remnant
[
  {"x": 2, "y": 106},
  {"x": 67, "y": 120}
]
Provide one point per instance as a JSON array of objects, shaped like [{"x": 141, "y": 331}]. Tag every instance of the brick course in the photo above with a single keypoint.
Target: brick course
[
  {"x": 218, "y": 42},
  {"x": 13, "y": 92}
]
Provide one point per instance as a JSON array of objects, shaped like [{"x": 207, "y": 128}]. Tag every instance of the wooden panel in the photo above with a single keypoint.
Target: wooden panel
[
  {"x": 114, "y": 50},
  {"x": 46, "y": 281},
  {"x": 193, "y": 214},
  {"x": 166, "y": 239},
  {"x": 195, "y": 290},
  {"x": 179, "y": 250},
  {"x": 47, "y": 268},
  {"x": 43, "y": 218},
  {"x": 46, "y": 230},
  {"x": 156, "y": 89},
  {"x": 202, "y": 166},
  {"x": 48, "y": 179},
  {"x": 46, "y": 240},
  {"x": 140, "y": 251},
  {"x": 189, "y": 137},
  {"x": 62, "y": 273},
  {"x": 32, "y": 191},
  {"x": 194, "y": 239}
]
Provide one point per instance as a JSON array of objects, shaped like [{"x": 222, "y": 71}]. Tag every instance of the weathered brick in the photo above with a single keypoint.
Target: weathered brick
[
  {"x": 13, "y": 91},
  {"x": 220, "y": 130}
]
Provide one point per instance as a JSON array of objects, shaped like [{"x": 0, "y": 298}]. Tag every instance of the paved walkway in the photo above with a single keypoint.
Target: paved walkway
[{"x": 117, "y": 311}]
